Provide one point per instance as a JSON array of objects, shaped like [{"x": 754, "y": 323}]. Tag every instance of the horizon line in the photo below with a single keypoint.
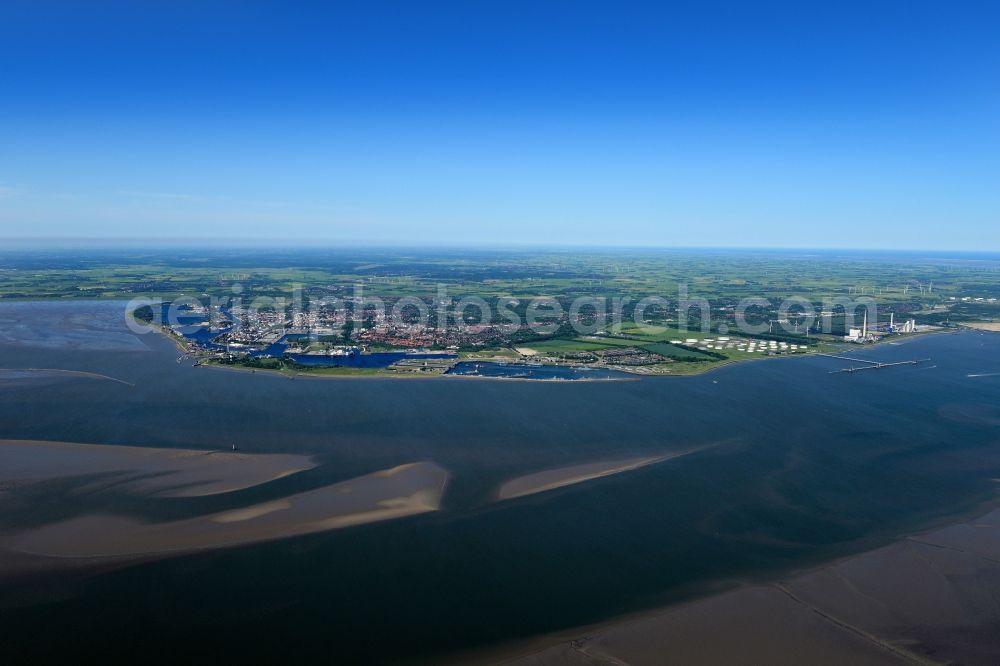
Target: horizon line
[{"x": 171, "y": 242}]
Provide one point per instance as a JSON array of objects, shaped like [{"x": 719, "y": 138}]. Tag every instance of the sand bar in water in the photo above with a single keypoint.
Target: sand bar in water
[
  {"x": 550, "y": 479},
  {"x": 393, "y": 493},
  {"x": 155, "y": 471}
]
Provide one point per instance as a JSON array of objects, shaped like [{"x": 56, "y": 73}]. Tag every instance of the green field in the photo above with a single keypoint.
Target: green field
[
  {"x": 933, "y": 290},
  {"x": 564, "y": 346}
]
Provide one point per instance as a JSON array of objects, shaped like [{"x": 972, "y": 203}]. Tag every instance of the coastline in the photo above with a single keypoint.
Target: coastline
[
  {"x": 982, "y": 327},
  {"x": 183, "y": 347},
  {"x": 335, "y": 372},
  {"x": 634, "y": 376},
  {"x": 376, "y": 374},
  {"x": 167, "y": 365},
  {"x": 825, "y": 603}
]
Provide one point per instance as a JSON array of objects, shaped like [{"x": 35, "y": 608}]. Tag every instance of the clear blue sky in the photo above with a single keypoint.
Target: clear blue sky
[{"x": 808, "y": 124}]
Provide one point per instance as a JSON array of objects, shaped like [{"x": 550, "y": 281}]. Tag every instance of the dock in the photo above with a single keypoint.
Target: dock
[{"x": 870, "y": 365}]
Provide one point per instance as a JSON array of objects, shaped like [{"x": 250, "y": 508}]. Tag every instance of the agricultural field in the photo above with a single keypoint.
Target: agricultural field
[
  {"x": 720, "y": 276},
  {"x": 691, "y": 297}
]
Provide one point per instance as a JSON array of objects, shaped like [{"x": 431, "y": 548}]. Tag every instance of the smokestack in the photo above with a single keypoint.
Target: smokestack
[{"x": 864, "y": 326}]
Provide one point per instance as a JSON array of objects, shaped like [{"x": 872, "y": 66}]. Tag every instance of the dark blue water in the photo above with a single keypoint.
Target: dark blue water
[
  {"x": 532, "y": 371},
  {"x": 804, "y": 467}
]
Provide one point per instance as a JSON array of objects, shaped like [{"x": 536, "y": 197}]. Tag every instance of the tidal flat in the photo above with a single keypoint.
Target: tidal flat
[
  {"x": 807, "y": 468},
  {"x": 927, "y": 599},
  {"x": 401, "y": 491}
]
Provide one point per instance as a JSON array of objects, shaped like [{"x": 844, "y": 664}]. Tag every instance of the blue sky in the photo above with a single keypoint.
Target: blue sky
[{"x": 848, "y": 124}]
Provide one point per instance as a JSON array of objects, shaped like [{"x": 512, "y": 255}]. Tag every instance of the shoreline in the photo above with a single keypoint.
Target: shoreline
[
  {"x": 380, "y": 373},
  {"x": 982, "y": 327},
  {"x": 571, "y": 645},
  {"x": 183, "y": 347},
  {"x": 406, "y": 376}
]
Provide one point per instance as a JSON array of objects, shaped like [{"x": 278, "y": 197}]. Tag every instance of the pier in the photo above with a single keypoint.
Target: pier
[{"x": 870, "y": 365}]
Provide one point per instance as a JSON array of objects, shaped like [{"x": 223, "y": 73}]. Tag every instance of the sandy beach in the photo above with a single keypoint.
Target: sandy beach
[{"x": 992, "y": 326}]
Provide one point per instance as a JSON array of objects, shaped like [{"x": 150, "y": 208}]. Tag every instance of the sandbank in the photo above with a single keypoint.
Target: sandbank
[
  {"x": 401, "y": 491},
  {"x": 160, "y": 472},
  {"x": 550, "y": 479}
]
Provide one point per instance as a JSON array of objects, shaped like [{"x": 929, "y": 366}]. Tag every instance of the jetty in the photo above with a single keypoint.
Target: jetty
[{"x": 870, "y": 365}]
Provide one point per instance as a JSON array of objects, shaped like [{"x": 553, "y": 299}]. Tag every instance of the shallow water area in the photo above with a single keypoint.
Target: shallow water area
[{"x": 790, "y": 466}]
